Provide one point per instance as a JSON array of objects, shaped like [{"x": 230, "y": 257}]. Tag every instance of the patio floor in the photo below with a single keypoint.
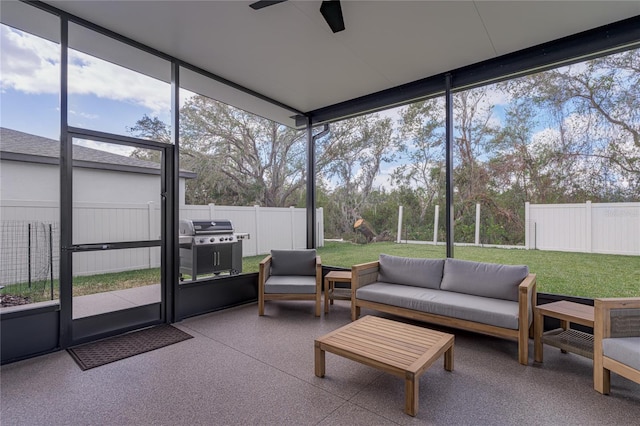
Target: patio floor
[{"x": 244, "y": 369}]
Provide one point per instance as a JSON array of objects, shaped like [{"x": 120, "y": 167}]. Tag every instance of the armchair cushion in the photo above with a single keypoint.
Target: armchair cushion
[
  {"x": 290, "y": 284},
  {"x": 425, "y": 273},
  {"x": 483, "y": 279},
  {"x": 623, "y": 349},
  {"x": 293, "y": 262}
]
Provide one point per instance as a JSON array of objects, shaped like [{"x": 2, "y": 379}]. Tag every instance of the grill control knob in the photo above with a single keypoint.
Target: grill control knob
[
  {"x": 212, "y": 239},
  {"x": 202, "y": 240}
]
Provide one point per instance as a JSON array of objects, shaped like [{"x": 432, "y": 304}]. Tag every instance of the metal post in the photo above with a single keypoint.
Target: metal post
[
  {"x": 66, "y": 196},
  {"x": 449, "y": 164},
  {"x": 311, "y": 186}
]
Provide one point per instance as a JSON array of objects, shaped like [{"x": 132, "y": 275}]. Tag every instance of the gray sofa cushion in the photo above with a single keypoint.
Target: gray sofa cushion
[
  {"x": 623, "y": 349},
  {"x": 496, "y": 312},
  {"x": 290, "y": 284},
  {"x": 483, "y": 279},
  {"x": 293, "y": 262},
  {"x": 408, "y": 271}
]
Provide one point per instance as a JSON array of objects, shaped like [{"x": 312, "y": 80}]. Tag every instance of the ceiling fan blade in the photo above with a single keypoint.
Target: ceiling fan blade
[
  {"x": 332, "y": 13},
  {"x": 264, "y": 3}
]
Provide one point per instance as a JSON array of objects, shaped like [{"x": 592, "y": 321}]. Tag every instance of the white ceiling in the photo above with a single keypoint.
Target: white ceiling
[{"x": 288, "y": 53}]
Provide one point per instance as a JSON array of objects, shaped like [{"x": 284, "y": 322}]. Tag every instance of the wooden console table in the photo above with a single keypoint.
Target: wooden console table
[{"x": 565, "y": 338}]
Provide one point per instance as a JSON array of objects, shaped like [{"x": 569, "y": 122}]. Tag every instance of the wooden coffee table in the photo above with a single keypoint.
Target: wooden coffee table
[{"x": 401, "y": 349}]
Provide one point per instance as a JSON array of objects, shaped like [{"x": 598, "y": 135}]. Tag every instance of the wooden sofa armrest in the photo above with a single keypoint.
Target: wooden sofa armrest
[
  {"x": 527, "y": 299},
  {"x": 602, "y": 330},
  {"x": 363, "y": 274},
  {"x": 602, "y": 313},
  {"x": 264, "y": 271},
  {"x": 318, "y": 275}
]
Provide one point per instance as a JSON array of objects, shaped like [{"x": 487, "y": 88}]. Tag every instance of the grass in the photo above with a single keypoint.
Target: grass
[
  {"x": 83, "y": 285},
  {"x": 572, "y": 274}
]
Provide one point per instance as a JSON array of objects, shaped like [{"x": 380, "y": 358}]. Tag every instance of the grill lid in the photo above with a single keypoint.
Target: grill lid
[{"x": 205, "y": 227}]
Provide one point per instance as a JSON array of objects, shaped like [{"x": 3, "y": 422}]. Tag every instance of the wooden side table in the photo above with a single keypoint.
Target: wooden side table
[
  {"x": 565, "y": 338},
  {"x": 332, "y": 293}
]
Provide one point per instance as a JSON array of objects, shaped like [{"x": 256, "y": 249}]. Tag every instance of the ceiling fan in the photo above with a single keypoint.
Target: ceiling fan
[{"x": 330, "y": 9}]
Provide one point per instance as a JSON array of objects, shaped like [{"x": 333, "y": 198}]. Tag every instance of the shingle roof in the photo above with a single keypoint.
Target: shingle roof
[{"x": 30, "y": 147}]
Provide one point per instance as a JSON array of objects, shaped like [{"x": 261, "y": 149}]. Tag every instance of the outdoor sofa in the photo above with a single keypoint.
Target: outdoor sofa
[{"x": 487, "y": 298}]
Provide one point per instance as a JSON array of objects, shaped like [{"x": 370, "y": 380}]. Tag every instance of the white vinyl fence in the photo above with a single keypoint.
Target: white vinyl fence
[
  {"x": 29, "y": 247},
  {"x": 609, "y": 228}
]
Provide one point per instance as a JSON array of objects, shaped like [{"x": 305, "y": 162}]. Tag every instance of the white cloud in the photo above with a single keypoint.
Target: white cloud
[
  {"x": 92, "y": 76},
  {"x": 31, "y": 65},
  {"x": 107, "y": 147}
]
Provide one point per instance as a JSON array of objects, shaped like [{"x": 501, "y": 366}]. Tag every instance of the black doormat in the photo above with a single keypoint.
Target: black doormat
[{"x": 95, "y": 354}]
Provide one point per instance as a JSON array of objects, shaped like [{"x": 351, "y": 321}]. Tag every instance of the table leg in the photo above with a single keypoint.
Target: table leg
[
  {"x": 326, "y": 296},
  {"x": 411, "y": 394},
  {"x": 448, "y": 359},
  {"x": 565, "y": 326},
  {"x": 538, "y": 328},
  {"x": 319, "y": 360}
]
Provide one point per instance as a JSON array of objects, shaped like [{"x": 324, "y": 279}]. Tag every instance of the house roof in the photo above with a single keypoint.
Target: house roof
[
  {"x": 286, "y": 53},
  {"x": 21, "y": 146}
]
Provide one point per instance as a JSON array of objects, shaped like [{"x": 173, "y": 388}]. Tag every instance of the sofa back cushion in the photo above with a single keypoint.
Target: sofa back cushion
[
  {"x": 293, "y": 262},
  {"x": 425, "y": 273},
  {"x": 483, "y": 279}
]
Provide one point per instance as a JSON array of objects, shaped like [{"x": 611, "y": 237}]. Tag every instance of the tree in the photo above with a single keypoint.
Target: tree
[
  {"x": 243, "y": 159},
  {"x": 422, "y": 145},
  {"x": 239, "y": 158},
  {"x": 350, "y": 157},
  {"x": 595, "y": 109}
]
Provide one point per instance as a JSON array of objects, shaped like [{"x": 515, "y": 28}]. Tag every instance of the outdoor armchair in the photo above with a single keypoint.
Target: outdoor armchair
[
  {"x": 616, "y": 341},
  {"x": 290, "y": 275}
]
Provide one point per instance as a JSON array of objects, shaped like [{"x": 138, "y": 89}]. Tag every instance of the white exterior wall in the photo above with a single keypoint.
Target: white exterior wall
[{"x": 41, "y": 182}]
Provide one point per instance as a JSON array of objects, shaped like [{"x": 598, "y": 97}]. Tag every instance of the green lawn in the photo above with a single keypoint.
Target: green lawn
[{"x": 575, "y": 274}]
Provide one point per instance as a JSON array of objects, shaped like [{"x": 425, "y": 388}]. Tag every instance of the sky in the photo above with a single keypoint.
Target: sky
[{"x": 30, "y": 98}]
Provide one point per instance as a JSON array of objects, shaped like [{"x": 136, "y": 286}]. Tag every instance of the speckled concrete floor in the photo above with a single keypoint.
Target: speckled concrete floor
[{"x": 242, "y": 369}]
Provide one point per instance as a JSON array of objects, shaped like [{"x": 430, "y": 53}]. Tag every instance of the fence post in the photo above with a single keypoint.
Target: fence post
[
  {"x": 435, "y": 225},
  {"x": 51, "y": 256},
  {"x": 257, "y": 221},
  {"x": 588, "y": 233},
  {"x": 527, "y": 233},
  {"x": 477, "y": 224},
  {"x": 293, "y": 226},
  {"x": 320, "y": 225},
  {"x": 29, "y": 253},
  {"x": 212, "y": 211},
  {"x": 398, "y": 238},
  {"x": 150, "y": 232}
]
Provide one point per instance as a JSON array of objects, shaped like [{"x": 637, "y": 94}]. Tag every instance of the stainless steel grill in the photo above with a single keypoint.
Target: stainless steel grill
[{"x": 209, "y": 247}]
